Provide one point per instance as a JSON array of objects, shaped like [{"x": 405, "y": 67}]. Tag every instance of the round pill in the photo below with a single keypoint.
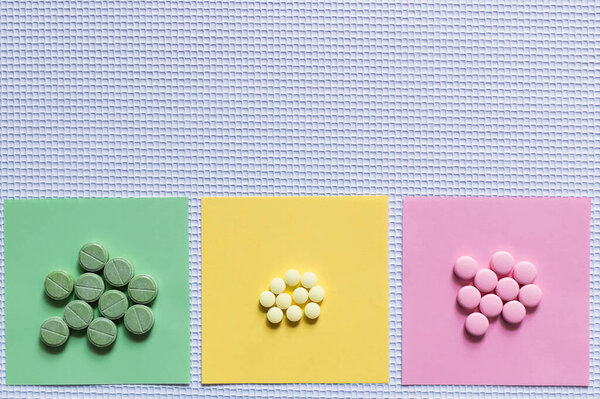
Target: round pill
[
  {"x": 525, "y": 272},
  {"x": 312, "y": 310},
  {"x": 283, "y": 301},
  {"x": 485, "y": 280},
  {"x": 316, "y": 293},
  {"x": 93, "y": 256},
  {"x": 294, "y": 313},
  {"x": 300, "y": 295},
  {"x": 507, "y": 289},
  {"x": 139, "y": 319},
  {"x": 530, "y": 295},
  {"x": 309, "y": 280},
  {"x": 277, "y": 286},
  {"x": 113, "y": 304},
  {"x": 58, "y": 285},
  {"x": 142, "y": 289},
  {"x": 468, "y": 297},
  {"x": 54, "y": 331},
  {"x": 274, "y": 315},
  {"x": 118, "y": 272},
  {"x": 89, "y": 287},
  {"x": 502, "y": 262},
  {"x": 292, "y": 278},
  {"x": 513, "y": 312},
  {"x": 465, "y": 267},
  {"x": 102, "y": 332},
  {"x": 490, "y": 305},
  {"x": 476, "y": 324},
  {"x": 78, "y": 314},
  {"x": 267, "y": 299}
]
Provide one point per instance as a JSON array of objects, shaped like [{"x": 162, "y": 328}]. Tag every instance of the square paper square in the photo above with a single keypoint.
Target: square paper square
[
  {"x": 45, "y": 235},
  {"x": 246, "y": 242},
  {"x": 550, "y": 346}
]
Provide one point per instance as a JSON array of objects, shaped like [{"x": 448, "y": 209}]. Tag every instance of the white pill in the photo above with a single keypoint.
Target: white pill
[
  {"x": 300, "y": 295},
  {"x": 312, "y": 310},
  {"x": 292, "y": 277},
  {"x": 277, "y": 286},
  {"x": 316, "y": 293},
  {"x": 267, "y": 299},
  {"x": 309, "y": 280},
  {"x": 283, "y": 301},
  {"x": 274, "y": 315},
  {"x": 294, "y": 313}
]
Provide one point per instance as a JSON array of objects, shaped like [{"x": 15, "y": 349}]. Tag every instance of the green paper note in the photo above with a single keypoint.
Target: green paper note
[{"x": 45, "y": 235}]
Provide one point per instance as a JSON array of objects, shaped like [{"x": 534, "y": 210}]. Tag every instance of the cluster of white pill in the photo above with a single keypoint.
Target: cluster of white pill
[
  {"x": 277, "y": 300},
  {"x": 504, "y": 288}
]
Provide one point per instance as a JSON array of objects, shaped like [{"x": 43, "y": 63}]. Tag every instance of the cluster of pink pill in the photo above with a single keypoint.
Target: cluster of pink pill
[{"x": 505, "y": 289}]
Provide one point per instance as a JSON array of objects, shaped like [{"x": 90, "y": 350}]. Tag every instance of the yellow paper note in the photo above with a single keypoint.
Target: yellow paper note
[{"x": 246, "y": 242}]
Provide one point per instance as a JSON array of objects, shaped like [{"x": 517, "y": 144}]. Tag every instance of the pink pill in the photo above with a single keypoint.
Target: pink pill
[
  {"x": 465, "y": 267},
  {"x": 468, "y": 297},
  {"x": 476, "y": 324},
  {"x": 485, "y": 280},
  {"x": 524, "y": 273},
  {"x": 507, "y": 289},
  {"x": 491, "y": 305},
  {"x": 513, "y": 312},
  {"x": 530, "y": 295},
  {"x": 502, "y": 262}
]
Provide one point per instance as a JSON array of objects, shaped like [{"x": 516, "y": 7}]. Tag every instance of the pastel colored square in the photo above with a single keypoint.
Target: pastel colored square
[
  {"x": 550, "y": 346},
  {"x": 45, "y": 235},
  {"x": 246, "y": 242}
]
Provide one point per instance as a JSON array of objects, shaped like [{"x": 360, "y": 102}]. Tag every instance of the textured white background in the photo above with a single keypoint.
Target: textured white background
[{"x": 205, "y": 98}]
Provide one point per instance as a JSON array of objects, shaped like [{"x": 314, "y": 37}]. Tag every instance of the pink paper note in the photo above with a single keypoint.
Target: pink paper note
[{"x": 551, "y": 346}]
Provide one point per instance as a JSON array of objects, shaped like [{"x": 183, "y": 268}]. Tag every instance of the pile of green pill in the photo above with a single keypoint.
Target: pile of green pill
[{"x": 113, "y": 304}]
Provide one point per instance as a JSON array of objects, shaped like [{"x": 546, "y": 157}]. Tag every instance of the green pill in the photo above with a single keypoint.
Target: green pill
[
  {"x": 78, "y": 314},
  {"x": 58, "y": 285},
  {"x": 142, "y": 289},
  {"x": 89, "y": 287},
  {"x": 139, "y": 319},
  {"x": 102, "y": 332},
  {"x": 93, "y": 256},
  {"x": 54, "y": 331},
  {"x": 113, "y": 304},
  {"x": 118, "y": 272}
]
